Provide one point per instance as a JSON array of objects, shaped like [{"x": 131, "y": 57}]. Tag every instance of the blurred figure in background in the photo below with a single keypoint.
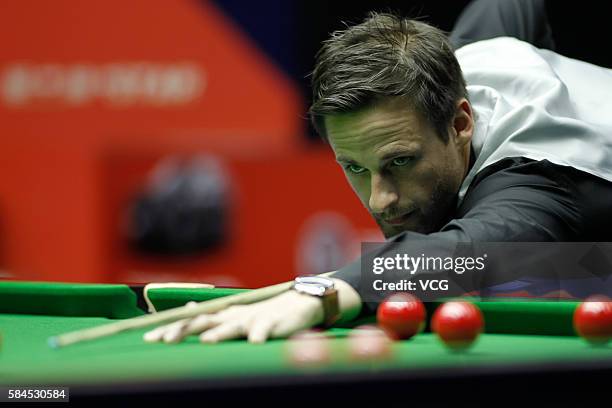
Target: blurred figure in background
[{"x": 183, "y": 210}]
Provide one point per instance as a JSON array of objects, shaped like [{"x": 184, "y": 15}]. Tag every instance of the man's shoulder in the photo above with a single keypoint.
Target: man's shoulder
[
  {"x": 535, "y": 174},
  {"x": 542, "y": 189},
  {"x": 510, "y": 168},
  {"x": 495, "y": 51}
]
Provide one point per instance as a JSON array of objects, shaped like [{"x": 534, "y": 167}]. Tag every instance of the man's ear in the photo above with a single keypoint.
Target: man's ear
[{"x": 463, "y": 123}]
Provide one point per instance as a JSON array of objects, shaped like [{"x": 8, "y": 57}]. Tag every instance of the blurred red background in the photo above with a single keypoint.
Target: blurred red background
[{"x": 94, "y": 94}]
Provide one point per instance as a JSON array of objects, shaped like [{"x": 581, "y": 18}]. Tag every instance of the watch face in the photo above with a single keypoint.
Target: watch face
[
  {"x": 313, "y": 289},
  {"x": 315, "y": 280}
]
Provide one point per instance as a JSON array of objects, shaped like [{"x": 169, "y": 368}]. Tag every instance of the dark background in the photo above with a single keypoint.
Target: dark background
[{"x": 290, "y": 32}]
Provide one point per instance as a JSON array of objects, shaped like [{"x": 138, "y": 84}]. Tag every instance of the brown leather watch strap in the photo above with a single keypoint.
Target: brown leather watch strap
[{"x": 331, "y": 307}]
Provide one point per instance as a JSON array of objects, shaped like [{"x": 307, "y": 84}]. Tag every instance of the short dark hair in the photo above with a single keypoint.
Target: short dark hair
[{"x": 386, "y": 56}]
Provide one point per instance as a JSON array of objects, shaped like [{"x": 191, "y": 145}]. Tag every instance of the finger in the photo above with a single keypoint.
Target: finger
[
  {"x": 174, "y": 333},
  {"x": 224, "y": 331},
  {"x": 158, "y": 333},
  {"x": 154, "y": 335},
  {"x": 196, "y": 325},
  {"x": 260, "y": 330}
]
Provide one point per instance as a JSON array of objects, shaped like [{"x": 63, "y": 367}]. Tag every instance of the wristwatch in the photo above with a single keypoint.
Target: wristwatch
[{"x": 324, "y": 289}]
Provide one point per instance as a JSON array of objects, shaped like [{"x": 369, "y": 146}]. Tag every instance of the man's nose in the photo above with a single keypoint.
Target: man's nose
[{"x": 383, "y": 194}]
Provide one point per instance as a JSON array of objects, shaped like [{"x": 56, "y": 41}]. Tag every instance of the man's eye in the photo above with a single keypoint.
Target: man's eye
[
  {"x": 400, "y": 161},
  {"x": 355, "y": 169}
]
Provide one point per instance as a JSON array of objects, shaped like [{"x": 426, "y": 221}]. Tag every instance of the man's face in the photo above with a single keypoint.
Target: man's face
[{"x": 403, "y": 172}]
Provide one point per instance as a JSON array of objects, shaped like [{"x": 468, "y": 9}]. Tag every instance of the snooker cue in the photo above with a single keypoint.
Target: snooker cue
[{"x": 177, "y": 313}]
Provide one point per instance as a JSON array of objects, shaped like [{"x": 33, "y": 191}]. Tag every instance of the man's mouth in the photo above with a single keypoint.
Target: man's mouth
[{"x": 401, "y": 220}]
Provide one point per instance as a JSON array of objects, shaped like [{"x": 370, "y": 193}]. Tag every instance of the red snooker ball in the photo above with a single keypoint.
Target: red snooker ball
[
  {"x": 457, "y": 324},
  {"x": 402, "y": 315},
  {"x": 369, "y": 343},
  {"x": 308, "y": 347},
  {"x": 593, "y": 320}
]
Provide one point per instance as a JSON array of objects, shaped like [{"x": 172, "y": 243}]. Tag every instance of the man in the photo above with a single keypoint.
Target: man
[{"x": 521, "y": 154}]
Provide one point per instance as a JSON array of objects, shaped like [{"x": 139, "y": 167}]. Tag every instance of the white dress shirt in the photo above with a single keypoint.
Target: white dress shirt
[{"x": 537, "y": 104}]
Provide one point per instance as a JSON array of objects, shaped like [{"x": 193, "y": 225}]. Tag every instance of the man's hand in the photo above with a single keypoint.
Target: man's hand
[{"x": 276, "y": 317}]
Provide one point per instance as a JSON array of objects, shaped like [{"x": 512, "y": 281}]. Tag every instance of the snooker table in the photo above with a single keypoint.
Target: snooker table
[{"x": 529, "y": 353}]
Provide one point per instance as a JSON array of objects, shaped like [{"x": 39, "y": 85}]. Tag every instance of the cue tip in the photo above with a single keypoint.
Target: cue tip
[{"x": 53, "y": 342}]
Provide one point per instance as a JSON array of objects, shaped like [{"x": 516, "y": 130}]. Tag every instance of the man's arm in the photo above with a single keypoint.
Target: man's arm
[{"x": 513, "y": 200}]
